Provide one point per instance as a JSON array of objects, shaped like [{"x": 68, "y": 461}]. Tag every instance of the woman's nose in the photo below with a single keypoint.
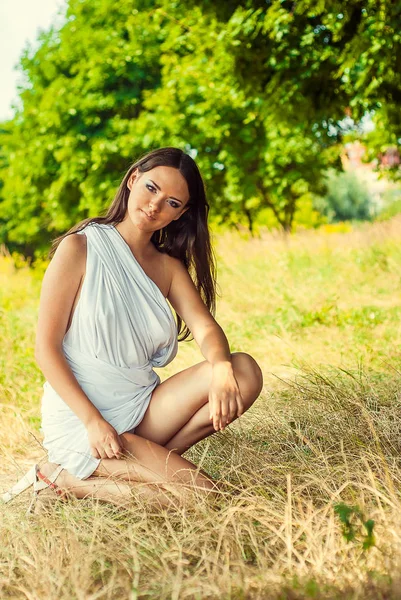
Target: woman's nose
[
  {"x": 156, "y": 204},
  {"x": 153, "y": 207}
]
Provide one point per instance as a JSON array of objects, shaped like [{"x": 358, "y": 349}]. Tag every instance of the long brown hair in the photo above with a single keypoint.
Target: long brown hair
[{"x": 187, "y": 238}]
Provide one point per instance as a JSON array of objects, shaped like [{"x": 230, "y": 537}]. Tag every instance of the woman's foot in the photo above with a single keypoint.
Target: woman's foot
[
  {"x": 48, "y": 468},
  {"x": 48, "y": 496}
]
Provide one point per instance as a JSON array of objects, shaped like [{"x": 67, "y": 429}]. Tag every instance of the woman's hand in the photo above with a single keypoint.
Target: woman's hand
[
  {"x": 225, "y": 400},
  {"x": 104, "y": 440}
]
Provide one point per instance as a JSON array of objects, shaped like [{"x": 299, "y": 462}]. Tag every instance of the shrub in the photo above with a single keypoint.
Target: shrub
[{"x": 347, "y": 199}]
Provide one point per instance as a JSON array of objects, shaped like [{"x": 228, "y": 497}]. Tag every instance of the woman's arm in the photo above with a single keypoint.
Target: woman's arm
[
  {"x": 187, "y": 302},
  {"x": 224, "y": 396},
  {"x": 59, "y": 288}
]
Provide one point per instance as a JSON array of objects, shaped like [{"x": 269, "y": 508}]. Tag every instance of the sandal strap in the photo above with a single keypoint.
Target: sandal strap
[
  {"x": 43, "y": 482},
  {"x": 39, "y": 481},
  {"x": 25, "y": 482},
  {"x": 41, "y": 485},
  {"x": 55, "y": 473}
]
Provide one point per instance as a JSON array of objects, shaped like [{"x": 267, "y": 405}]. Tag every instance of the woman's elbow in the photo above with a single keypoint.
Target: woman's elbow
[
  {"x": 37, "y": 353},
  {"x": 40, "y": 349}
]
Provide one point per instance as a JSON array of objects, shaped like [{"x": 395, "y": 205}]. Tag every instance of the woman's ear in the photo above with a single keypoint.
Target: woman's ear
[{"x": 131, "y": 179}]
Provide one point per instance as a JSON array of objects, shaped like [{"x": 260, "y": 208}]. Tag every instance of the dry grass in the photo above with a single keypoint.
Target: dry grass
[{"x": 325, "y": 431}]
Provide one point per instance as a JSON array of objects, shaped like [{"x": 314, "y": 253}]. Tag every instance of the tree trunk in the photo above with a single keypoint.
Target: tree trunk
[{"x": 250, "y": 220}]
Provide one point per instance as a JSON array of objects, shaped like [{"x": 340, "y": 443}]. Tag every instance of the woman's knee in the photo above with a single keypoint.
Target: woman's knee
[{"x": 249, "y": 375}]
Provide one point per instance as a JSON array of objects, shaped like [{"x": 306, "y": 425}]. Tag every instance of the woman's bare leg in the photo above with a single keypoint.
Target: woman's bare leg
[
  {"x": 148, "y": 462},
  {"x": 177, "y": 418},
  {"x": 148, "y": 471},
  {"x": 118, "y": 492},
  {"x": 178, "y": 414}
]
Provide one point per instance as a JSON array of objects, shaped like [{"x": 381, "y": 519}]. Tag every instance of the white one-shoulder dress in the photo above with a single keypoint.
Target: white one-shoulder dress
[{"x": 121, "y": 328}]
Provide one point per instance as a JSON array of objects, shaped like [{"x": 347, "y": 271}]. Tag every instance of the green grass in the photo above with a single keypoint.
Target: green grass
[{"x": 315, "y": 459}]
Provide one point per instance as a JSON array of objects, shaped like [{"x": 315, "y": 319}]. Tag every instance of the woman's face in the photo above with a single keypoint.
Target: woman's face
[{"x": 157, "y": 197}]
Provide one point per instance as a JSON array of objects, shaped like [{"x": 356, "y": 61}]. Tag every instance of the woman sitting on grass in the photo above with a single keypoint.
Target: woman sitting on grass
[{"x": 110, "y": 426}]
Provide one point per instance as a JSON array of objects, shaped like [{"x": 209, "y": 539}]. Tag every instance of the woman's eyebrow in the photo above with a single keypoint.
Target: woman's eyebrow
[{"x": 159, "y": 188}]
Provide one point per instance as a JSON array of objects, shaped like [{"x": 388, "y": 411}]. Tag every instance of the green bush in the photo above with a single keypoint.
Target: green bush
[{"x": 347, "y": 199}]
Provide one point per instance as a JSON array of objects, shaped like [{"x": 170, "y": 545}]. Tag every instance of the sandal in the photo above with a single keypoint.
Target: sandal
[{"x": 40, "y": 482}]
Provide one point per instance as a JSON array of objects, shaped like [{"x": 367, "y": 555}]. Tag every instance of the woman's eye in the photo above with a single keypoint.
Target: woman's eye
[{"x": 171, "y": 202}]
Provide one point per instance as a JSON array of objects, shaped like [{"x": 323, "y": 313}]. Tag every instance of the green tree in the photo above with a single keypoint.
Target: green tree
[
  {"x": 251, "y": 158},
  {"x": 67, "y": 148},
  {"x": 255, "y": 90}
]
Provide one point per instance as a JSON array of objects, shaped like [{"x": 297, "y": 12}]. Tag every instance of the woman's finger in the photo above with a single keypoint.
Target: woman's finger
[
  {"x": 109, "y": 451},
  {"x": 122, "y": 445},
  {"x": 233, "y": 410},
  {"x": 240, "y": 404},
  {"x": 224, "y": 413},
  {"x": 216, "y": 422},
  {"x": 95, "y": 453},
  {"x": 115, "y": 448},
  {"x": 211, "y": 407},
  {"x": 102, "y": 453},
  {"x": 216, "y": 416}
]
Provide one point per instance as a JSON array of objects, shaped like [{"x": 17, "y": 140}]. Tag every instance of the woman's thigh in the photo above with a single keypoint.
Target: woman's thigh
[{"x": 178, "y": 398}]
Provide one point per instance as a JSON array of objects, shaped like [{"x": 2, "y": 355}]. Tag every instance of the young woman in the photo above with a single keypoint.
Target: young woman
[{"x": 110, "y": 426}]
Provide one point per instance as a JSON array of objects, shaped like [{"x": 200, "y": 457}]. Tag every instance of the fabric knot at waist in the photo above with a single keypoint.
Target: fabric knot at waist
[{"x": 110, "y": 380}]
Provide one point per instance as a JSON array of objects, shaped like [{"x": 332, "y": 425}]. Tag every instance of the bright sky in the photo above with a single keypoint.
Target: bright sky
[{"x": 20, "y": 22}]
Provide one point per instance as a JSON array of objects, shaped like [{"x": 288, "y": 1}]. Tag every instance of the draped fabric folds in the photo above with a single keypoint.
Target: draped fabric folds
[{"x": 121, "y": 328}]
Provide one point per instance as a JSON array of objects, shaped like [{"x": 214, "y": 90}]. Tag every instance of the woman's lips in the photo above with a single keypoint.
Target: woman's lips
[{"x": 146, "y": 215}]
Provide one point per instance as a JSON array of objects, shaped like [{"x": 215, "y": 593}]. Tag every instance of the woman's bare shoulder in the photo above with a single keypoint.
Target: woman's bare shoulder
[
  {"x": 70, "y": 254},
  {"x": 172, "y": 262},
  {"x": 73, "y": 242},
  {"x": 174, "y": 265}
]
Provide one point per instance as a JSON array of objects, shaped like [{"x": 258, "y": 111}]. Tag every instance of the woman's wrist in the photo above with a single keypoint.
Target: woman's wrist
[{"x": 93, "y": 417}]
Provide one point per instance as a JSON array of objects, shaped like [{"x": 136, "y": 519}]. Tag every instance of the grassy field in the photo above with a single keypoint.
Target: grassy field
[{"x": 312, "y": 470}]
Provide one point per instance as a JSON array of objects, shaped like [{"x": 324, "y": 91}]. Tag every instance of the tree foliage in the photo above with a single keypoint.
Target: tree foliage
[{"x": 255, "y": 90}]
